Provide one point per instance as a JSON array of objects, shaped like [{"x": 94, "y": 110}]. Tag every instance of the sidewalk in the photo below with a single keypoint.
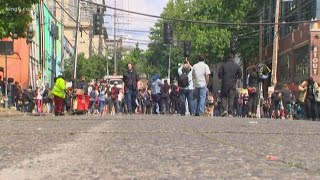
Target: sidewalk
[{"x": 10, "y": 113}]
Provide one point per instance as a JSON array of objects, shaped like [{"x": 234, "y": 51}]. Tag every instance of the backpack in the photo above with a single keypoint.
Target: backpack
[
  {"x": 175, "y": 91},
  {"x": 114, "y": 93},
  {"x": 183, "y": 80}
]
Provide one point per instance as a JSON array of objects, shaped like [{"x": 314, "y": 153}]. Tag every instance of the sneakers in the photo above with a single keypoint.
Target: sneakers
[{"x": 225, "y": 113}]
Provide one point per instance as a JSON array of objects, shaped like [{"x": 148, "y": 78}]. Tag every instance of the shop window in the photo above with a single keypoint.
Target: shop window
[
  {"x": 284, "y": 67},
  {"x": 302, "y": 63}
]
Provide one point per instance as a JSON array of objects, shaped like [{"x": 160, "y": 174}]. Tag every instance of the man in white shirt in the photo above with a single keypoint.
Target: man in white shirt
[
  {"x": 186, "y": 92},
  {"x": 200, "y": 76}
]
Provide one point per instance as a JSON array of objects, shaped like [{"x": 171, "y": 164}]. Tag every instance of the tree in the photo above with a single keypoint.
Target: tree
[
  {"x": 15, "y": 16},
  {"x": 93, "y": 67},
  {"x": 209, "y": 39},
  {"x": 134, "y": 57}
]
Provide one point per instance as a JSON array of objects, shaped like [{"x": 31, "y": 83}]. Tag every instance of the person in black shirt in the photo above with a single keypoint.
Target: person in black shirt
[
  {"x": 130, "y": 80},
  {"x": 253, "y": 82},
  {"x": 229, "y": 73},
  {"x": 2, "y": 86},
  {"x": 307, "y": 96}
]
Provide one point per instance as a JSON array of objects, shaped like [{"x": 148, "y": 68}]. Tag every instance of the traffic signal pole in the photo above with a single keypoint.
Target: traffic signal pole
[
  {"x": 75, "y": 62},
  {"x": 114, "y": 41}
]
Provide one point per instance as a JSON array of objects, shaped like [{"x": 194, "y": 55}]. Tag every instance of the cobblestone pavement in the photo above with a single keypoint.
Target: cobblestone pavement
[{"x": 157, "y": 147}]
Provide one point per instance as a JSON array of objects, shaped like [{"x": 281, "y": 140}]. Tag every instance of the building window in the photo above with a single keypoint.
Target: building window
[
  {"x": 307, "y": 12},
  {"x": 289, "y": 28},
  {"x": 302, "y": 63},
  {"x": 268, "y": 36},
  {"x": 284, "y": 67}
]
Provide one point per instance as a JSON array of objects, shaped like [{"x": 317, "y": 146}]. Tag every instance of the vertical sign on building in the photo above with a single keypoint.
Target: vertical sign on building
[{"x": 315, "y": 61}]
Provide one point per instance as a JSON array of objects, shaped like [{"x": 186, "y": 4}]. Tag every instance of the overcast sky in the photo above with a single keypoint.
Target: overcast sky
[{"x": 128, "y": 24}]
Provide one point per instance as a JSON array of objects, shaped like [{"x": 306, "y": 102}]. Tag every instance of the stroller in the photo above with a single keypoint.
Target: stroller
[{"x": 79, "y": 102}]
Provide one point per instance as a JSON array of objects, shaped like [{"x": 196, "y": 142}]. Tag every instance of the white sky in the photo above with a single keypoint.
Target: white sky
[{"x": 128, "y": 22}]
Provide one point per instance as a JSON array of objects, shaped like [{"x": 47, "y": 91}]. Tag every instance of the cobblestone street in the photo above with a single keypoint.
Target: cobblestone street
[{"x": 153, "y": 147}]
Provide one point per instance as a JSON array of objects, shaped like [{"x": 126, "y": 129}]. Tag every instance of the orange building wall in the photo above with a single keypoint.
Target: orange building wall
[{"x": 18, "y": 69}]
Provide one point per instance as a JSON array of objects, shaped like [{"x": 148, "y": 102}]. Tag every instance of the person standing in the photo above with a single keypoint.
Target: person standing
[
  {"x": 186, "y": 88},
  {"x": 229, "y": 73},
  {"x": 165, "y": 99},
  {"x": 287, "y": 101},
  {"x": 102, "y": 98},
  {"x": 2, "y": 86},
  {"x": 200, "y": 76},
  {"x": 174, "y": 98},
  {"x": 253, "y": 90},
  {"x": 308, "y": 89},
  {"x": 156, "y": 86},
  {"x": 114, "y": 94},
  {"x": 59, "y": 92},
  {"x": 130, "y": 80}
]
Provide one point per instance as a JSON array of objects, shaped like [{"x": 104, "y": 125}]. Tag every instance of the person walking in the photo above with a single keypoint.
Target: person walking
[
  {"x": 130, "y": 80},
  {"x": 186, "y": 88},
  {"x": 229, "y": 73},
  {"x": 59, "y": 92},
  {"x": 200, "y": 76}
]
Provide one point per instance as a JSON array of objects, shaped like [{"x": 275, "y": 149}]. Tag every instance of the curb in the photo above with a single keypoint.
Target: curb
[{"x": 11, "y": 115}]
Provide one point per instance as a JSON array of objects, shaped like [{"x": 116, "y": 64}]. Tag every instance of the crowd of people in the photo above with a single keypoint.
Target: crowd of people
[{"x": 187, "y": 94}]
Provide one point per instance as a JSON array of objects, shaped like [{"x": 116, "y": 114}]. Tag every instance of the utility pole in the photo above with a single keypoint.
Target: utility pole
[
  {"x": 114, "y": 40},
  {"x": 169, "y": 69},
  {"x": 260, "y": 39},
  {"x": 76, "y": 43},
  {"x": 275, "y": 46},
  {"x": 62, "y": 40},
  {"x": 42, "y": 50}
]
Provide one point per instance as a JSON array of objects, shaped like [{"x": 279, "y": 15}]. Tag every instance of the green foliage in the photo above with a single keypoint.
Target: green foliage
[
  {"x": 138, "y": 58},
  {"x": 93, "y": 67},
  {"x": 209, "y": 39},
  {"x": 15, "y": 16},
  {"x": 134, "y": 57}
]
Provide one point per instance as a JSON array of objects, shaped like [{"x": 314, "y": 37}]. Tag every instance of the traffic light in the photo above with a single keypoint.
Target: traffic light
[
  {"x": 187, "y": 48},
  {"x": 167, "y": 33},
  {"x": 233, "y": 45},
  {"x": 30, "y": 35},
  {"x": 97, "y": 24}
]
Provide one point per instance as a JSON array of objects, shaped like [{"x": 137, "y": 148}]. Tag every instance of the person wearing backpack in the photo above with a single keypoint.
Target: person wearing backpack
[
  {"x": 114, "y": 93},
  {"x": 186, "y": 88}
]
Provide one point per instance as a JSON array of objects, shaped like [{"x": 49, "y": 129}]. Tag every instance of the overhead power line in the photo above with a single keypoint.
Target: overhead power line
[{"x": 196, "y": 21}]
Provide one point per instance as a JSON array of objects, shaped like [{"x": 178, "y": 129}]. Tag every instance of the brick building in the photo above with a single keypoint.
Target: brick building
[{"x": 298, "y": 43}]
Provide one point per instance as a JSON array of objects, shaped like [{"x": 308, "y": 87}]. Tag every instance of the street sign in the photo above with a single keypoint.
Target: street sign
[{"x": 6, "y": 47}]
